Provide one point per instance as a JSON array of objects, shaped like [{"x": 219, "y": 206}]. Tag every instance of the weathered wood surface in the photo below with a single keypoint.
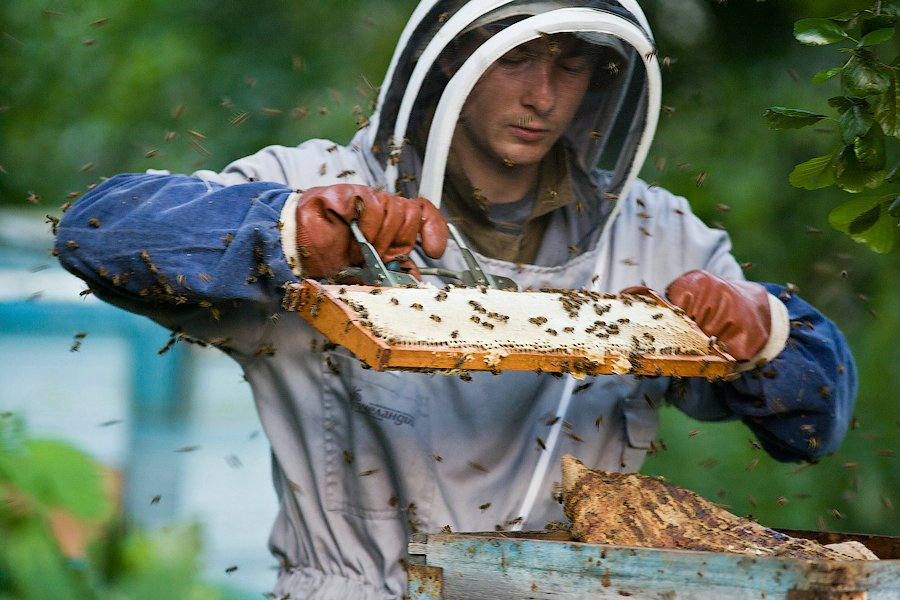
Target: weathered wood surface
[
  {"x": 502, "y": 566},
  {"x": 629, "y": 509},
  {"x": 325, "y": 309}
]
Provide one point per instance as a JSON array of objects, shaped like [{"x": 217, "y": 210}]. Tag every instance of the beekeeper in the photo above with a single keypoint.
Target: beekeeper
[{"x": 526, "y": 123}]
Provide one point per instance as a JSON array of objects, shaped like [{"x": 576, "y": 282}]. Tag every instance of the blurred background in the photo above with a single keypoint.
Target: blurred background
[{"x": 92, "y": 88}]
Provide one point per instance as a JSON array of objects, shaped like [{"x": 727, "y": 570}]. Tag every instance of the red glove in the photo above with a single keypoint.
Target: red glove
[
  {"x": 736, "y": 312},
  {"x": 391, "y": 224}
]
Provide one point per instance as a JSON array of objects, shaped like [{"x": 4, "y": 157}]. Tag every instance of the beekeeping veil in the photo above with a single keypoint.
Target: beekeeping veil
[{"x": 419, "y": 104}]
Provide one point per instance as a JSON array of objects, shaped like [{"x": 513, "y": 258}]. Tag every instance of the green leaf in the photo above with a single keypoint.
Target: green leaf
[
  {"x": 876, "y": 22},
  {"x": 894, "y": 209},
  {"x": 869, "y": 150},
  {"x": 854, "y": 123},
  {"x": 818, "y": 32},
  {"x": 887, "y": 109},
  {"x": 879, "y": 36},
  {"x": 864, "y": 76},
  {"x": 826, "y": 74},
  {"x": 843, "y": 103},
  {"x": 864, "y": 221},
  {"x": 851, "y": 176},
  {"x": 868, "y": 222},
  {"x": 814, "y": 174},
  {"x": 791, "y": 118},
  {"x": 35, "y": 565},
  {"x": 891, "y": 8},
  {"x": 55, "y": 475},
  {"x": 846, "y": 16}
]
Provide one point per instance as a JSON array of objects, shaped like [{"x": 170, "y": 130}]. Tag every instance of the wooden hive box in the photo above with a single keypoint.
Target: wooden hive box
[{"x": 501, "y": 565}]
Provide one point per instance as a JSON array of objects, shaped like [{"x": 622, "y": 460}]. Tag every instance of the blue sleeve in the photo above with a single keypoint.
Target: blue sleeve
[
  {"x": 149, "y": 243},
  {"x": 800, "y": 404}
]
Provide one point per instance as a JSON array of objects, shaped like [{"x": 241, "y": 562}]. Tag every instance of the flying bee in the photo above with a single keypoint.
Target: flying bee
[
  {"x": 231, "y": 569},
  {"x": 368, "y": 472},
  {"x": 155, "y": 499},
  {"x": 484, "y": 506},
  {"x": 541, "y": 444},
  {"x": 509, "y": 162},
  {"x": 348, "y": 456},
  {"x": 477, "y": 467},
  {"x": 346, "y": 173}
]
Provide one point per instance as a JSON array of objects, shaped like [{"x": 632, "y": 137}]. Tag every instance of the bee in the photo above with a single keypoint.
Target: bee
[
  {"x": 299, "y": 113},
  {"x": 441, "y": 296},
  {"x": 231, "y": 569},
  {"x": 573, "y": 249},
  {"x": 346, "y": 173},
  {"x": 541, "y": 444},
  {"x": 754, "y": 444},
  {"x": 228, "y": 238},
  {"x": 348, "y": 456},
  {"x": 395, "y": 302},
  {"x": 72, "y": 245},
  {"x": 509, "y": 162},
  {"x": 752, "y": 464},
  {"x": 484, "y": 506},
  {"x": 454, "y": 334},
  {"x": 185, "y": 449},
  {"x": 552, "y": 421},
  {"x": 574, "y": 437},
  {"x": 582, "y": 387},
  {"x": 375, "y": 291},
  {"x": 368, "y": 472},
  {"x": 271, "y": 112},
  {"x": 89, "y": 42},
  {"x": 53, "y": 221},
  {"x": 155, "y": 499},
  {"x": 465, "y": 376},
  {"x": 438, "y": 458},
  {"x": 323, "y": 110},
  {"x": 477, "y": 467},
  {"x": 693, "y": 433},
  {"x": 644, "y": 231},
  {"x": 323, "y": 168},
  {"x": 235, "y": 122},
  {"x": 753, "y": 501},
  {"x": 393, "y": 501}
]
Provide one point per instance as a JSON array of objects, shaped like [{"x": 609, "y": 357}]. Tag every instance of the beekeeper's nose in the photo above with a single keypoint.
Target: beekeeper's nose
[{"x": 540, "y": 87}]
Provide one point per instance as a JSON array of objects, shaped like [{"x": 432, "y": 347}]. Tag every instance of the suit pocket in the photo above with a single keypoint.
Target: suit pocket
[{"x": 378, "y": 447}]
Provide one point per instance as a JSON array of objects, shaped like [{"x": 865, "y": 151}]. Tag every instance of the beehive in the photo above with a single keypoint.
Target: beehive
[{"x": 452, "y": 328}]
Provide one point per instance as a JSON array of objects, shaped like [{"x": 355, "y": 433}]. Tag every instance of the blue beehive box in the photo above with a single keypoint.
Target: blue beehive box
[{"x": 500, "y": 565}]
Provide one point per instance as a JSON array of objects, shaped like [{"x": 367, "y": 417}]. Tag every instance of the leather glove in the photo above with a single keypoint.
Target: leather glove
[
  {"x": 390, "y": 223},
  {"x": 737, "y": 313}
]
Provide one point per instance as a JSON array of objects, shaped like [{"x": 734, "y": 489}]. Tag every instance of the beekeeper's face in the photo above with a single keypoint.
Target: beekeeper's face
[{"x": 524, "y": 102}]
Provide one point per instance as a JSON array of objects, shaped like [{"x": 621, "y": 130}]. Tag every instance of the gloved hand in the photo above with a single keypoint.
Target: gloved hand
[
  {"x": 737, "y": 313},
  {"x": 390, "y": 223}
]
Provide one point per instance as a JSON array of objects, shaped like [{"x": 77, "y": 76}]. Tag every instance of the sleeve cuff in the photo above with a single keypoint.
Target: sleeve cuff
[
  {"x": 289, "y": 234},
  {"x": 779, "y": 330}
]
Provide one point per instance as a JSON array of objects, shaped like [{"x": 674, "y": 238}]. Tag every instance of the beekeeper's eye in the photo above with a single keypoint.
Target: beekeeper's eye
[
  {"x": 516, "y": 58},
  {"x": 575, "y": 65}
]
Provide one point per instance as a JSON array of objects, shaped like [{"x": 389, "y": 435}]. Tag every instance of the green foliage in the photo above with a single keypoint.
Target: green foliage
[
  {"x": 39, "y": 476},
  {"x": 869, "y": 117}
]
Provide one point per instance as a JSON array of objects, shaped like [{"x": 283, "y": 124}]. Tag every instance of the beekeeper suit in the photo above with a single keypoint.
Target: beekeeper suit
[{"x": 362, "y": 458}]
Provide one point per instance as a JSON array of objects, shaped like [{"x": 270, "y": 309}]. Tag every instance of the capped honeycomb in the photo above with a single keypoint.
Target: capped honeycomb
[{"x": 576, "y": 331}]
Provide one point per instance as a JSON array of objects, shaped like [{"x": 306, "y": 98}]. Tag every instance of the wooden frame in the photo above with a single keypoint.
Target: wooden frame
[{"x": 321, "y": 306}]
